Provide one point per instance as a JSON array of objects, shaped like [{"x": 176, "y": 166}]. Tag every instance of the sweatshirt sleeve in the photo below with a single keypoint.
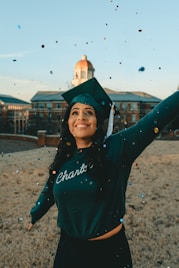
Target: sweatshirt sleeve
[
  {"x": 139, "y": 136},
  {"x": 43, "y": 203},
  {"x": 132, "y": 141}
]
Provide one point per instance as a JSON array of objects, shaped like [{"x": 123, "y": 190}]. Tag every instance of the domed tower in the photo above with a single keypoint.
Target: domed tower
[{"x": 83, "y": 71}]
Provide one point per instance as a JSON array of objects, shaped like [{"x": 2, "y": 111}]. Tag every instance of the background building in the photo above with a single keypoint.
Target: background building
[
  {"x": 14, "y": 115},
  {"x": 47, "y": 109}
]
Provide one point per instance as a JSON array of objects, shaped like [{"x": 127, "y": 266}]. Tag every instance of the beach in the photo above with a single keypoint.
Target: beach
[{"x": 151, "y": 220}]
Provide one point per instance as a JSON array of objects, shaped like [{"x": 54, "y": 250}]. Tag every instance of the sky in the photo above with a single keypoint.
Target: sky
[{"x": 132, "y": 44}]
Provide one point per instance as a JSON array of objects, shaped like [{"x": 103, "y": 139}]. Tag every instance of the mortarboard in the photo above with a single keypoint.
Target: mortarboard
[{"x": 90, "y": 92}]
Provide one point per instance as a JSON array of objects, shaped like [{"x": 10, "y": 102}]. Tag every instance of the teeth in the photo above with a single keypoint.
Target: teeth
[{"x": 81, "y": 126}]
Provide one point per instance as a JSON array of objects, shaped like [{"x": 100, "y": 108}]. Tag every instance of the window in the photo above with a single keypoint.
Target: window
[
  {"x": 133, "y": 106},
  {"x": 83, "y": 74},
  {"x": 41, "y": 105},
  {"x": 49, "y": 105},
  {"x": 124, "y": 106},
  {"x": 58, "y": 105},
  {"x": 133, "y": 118},
  {"x": 34, "y": 105}
]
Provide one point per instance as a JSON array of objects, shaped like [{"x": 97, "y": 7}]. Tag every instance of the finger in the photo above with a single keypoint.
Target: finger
[{"x": 30, "y": 227}]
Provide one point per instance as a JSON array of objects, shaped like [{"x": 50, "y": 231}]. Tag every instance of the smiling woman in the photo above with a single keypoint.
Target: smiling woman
[{"x": 89, "y": 175}]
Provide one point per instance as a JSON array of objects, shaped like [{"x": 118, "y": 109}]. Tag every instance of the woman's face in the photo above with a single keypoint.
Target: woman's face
[{"x": 82, "y": 122}]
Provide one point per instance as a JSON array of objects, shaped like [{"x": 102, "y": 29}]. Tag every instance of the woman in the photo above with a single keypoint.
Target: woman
[{"x": 88, "y": 177}]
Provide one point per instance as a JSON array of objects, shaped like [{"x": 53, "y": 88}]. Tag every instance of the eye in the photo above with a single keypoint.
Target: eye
[
  {"x": 74, "y": 112},
  {"x": 89, "y": 112}
]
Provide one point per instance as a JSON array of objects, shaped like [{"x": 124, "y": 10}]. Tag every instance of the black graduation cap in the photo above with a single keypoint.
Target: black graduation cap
[{"x": 91, "y": 93}]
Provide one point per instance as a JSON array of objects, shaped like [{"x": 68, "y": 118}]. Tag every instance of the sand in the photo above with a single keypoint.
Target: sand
[{"x": 151, "y": 219}]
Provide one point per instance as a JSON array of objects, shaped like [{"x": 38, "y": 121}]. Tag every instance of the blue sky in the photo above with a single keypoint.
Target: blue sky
[{"x": 118, "y": 38}]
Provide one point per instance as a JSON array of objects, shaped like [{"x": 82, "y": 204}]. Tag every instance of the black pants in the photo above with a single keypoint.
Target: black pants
[{"x": 113, "y": 252}]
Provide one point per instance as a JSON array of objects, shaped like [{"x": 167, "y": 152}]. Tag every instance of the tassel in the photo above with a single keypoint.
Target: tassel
[{"x": 110, "y": 122}]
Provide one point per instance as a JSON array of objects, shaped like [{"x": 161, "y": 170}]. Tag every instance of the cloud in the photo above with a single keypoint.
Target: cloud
[
  {"x": 14, "y": 55},
  {"x": 22, "y": 83}
]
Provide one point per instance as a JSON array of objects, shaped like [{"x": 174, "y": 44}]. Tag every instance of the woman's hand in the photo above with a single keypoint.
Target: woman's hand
[{"x": 30, "y": 226}]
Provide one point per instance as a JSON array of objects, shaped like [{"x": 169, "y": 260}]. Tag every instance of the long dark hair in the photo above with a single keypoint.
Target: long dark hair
[{"x": 96, "y": 155}]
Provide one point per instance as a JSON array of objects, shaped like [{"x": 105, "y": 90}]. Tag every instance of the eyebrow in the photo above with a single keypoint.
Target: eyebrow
[{"x": 86, "y": 108}]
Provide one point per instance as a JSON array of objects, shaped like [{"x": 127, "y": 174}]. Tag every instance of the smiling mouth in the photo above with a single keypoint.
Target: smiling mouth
[{"x": 81, "y": 126}]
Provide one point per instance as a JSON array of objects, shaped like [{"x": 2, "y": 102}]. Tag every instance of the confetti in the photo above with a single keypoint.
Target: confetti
[
  {"x": 141, "y": 69},
  {"x": 116, "y": 8},
  {"x": 68, "y": 143},
  {"x": 156, "y": 130},
  {"x": 142, "y": 195}
]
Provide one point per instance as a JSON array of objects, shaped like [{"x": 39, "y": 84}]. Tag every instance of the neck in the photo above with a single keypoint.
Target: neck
[{"x": 83, "y": 143}]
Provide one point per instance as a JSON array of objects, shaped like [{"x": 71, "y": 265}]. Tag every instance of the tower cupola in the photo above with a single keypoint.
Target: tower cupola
[{"x": 83, "y": 71}]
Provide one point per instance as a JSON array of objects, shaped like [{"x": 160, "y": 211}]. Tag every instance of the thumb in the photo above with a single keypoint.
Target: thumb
[{"x": 29, "y": 226}]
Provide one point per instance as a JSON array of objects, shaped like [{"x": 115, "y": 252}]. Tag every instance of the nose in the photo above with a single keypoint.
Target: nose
[{"x": 81, "y": 116}]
